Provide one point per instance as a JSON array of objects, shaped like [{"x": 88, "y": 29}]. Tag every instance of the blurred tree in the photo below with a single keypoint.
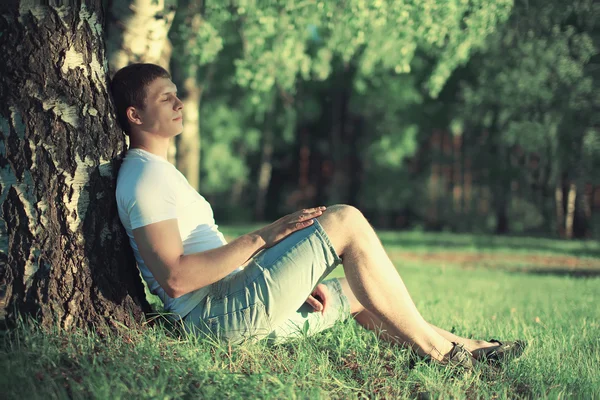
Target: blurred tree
[
  {"x": 271, "y": 45},
  {"x": 64, "y": 255},
  {"x": 533, "y": 92},
  {"x": 288, "y": 40},
  {"x": 136, "y": 31},
  {"x": 196, "y": 43}
]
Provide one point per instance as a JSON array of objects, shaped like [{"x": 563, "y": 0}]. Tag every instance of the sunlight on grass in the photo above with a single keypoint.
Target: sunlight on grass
[{"x": 557, "y": 314}]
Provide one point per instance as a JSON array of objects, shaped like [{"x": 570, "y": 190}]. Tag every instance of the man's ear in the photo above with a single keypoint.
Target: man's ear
[{"x": 133, "y": 116}]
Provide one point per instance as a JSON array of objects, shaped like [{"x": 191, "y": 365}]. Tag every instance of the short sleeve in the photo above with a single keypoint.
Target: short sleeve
[{"x": 152, "y": 202}]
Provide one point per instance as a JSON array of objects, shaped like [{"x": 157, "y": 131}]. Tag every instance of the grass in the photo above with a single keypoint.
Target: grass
[{"x": 556, "y": 312}]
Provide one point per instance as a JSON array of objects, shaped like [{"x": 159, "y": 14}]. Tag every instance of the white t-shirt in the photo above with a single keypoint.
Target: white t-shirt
[{"x": 150, "y": 189}]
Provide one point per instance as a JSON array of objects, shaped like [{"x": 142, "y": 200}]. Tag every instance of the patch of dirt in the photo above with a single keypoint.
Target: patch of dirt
[{"x": 513, "y": 262}]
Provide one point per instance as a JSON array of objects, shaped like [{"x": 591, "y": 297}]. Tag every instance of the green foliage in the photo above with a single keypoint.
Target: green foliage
[
  {"x": 530, "y": 93},
  {"x": 195, "y": 40},
  {"x": 225, "y": 134},
  {"x": 278, "y": 67},
  {"x": 390, "y": 150},
  {"x": 533, "y": 79}
]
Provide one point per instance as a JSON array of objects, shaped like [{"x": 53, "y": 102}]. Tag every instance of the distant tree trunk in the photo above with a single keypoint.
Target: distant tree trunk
[
  {"x": 339, "y": 144},
  {"x": 237, "y": 189},
  {"x": 571, "y": 201},
  {"x": 457, "y": 179},
  {"x": 586, "y": 206},
  {"x": 501, "y": 176},
  {"x": 354, "y": 161},
  {"x": 64, "y": 256},
  {"x": 468, "y": 183},
  {"x": 560, "y": 209},
  {"x": 188, "y": 142},
  {"x": 501, "y": 204},
  {"x": 501, "y": 193},
  {"x": 265, "y": 170},
  {"x": 185, "y": 74},
  {"x": 136, "y": 31},
  {"x": 434, "y": 181}
]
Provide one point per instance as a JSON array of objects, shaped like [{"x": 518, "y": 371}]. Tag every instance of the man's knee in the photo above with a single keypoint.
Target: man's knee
[
  {"x": 343, "y": 224},
  {"x": 347, "y": 217}
]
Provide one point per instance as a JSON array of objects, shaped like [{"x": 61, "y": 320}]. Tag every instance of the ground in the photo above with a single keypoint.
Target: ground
[{"x": 545, "y": 291}]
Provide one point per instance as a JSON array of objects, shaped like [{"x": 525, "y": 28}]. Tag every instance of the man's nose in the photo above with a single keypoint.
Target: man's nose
[{"x": 179, "y": 104}]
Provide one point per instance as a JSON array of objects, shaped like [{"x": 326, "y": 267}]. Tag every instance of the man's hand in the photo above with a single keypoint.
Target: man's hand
[
  {"x": 278, "y": 230},
  {"x": 318, "y": 298}
]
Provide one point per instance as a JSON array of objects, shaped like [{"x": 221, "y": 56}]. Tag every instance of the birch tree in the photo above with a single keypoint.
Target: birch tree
[{"x": 64, "y": 255}]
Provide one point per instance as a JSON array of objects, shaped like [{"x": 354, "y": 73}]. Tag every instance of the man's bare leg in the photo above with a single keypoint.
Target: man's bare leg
[
  {"x": 376, "y": 283},
  {"x": 370, "y": 321}
]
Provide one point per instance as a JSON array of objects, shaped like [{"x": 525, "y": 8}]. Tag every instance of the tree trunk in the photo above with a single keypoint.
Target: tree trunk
[
  {"x": 237, "y": 189},
  {"x": 434, "y": 179},
  {"x": 137, "y": 32},
  {"x": 338, "y": 190},
  {"x": 64, "y": 255},
  {"x": 586, "y": 211},
  {"x": 501, "y": 184},
  {"x": 468, "y": 186},
  {"x": 457, "y": 179},
  {"x": 264, "y": 174},
  {"x": 560, "y": 209},
  {"x": 572, "y": 196},
  {"x": 188, "y": 143},
  {"x": 190, "y": 14},
  {"x": 501, "y": 204}
]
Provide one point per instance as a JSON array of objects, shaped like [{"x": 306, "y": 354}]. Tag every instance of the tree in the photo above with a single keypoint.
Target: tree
[
  {"x": 284, "y": 43},
  {"x": 64, "y": 255},
  {"x": 196, "y": 44},
  {"x": 533, "y": 92},
  {"x": 136, "y": 32}
]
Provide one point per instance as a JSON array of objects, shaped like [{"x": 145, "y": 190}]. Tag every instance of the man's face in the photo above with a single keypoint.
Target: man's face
[{"x": 162, "y": 114}]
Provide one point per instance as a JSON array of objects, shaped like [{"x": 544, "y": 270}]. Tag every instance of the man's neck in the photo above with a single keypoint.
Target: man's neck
[{"x": 156, "y": 146}]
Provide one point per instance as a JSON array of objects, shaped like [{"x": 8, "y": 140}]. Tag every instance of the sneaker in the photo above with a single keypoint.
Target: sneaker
[
  {"x": 503, "y": 352},
  {"x": 459, "y": 358}
]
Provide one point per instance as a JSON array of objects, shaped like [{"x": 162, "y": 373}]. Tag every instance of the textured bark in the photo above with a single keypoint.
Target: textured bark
[{"x": 64, "y": 256}]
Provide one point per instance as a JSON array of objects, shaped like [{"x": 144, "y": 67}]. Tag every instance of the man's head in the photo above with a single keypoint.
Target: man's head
[{"x": 146, "y": 100}]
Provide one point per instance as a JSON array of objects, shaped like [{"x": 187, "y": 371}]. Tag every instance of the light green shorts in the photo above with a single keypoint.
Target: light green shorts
[{"x": 266, "y": 300}]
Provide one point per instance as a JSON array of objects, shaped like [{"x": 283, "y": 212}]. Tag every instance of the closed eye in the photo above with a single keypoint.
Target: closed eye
[{"x": 169, "y": 97}]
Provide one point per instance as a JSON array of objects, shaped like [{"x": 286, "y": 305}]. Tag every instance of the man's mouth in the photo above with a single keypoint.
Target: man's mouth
[{"x": 178, "y": 118}]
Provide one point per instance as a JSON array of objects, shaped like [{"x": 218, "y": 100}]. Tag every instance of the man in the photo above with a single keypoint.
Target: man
[{"x": 186, "y": 261}]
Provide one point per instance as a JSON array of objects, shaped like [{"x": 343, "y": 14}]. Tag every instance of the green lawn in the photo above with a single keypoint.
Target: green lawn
[{"x": 531, "y": 295}]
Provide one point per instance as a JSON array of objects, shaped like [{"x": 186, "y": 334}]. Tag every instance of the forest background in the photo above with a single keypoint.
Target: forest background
[{"x": 470, "y": 116}]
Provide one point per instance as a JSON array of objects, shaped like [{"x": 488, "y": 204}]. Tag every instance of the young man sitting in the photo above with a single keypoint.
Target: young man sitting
[{"x": 186, "y": 261}]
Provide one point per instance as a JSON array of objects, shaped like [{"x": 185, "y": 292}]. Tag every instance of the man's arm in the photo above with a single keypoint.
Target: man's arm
[{"x": 161, "y": 249}]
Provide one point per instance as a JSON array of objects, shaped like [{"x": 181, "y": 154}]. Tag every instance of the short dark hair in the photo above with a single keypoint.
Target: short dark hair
[{"x": 128, "y": 88}]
